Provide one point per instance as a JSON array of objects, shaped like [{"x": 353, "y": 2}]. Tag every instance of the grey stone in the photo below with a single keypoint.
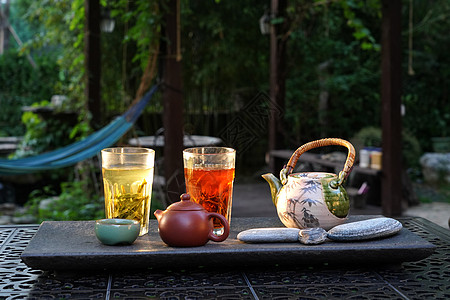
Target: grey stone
[
  {"x": 436, "y": 167},
  {"x": 312, "y": 236},
  {"x": 5, "y": 220},
  {"x": 364, "y": 230},
  {"x": 45, "y": 204},
  {"x": 269, "y": 235},
  {"x": 8, "y": 208},
  {"x": 25, "y": 219}
]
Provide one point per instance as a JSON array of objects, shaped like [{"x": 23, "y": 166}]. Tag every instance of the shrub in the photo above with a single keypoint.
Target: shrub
[
  {"x": 73, "y": 203},
  {"x": 21, "y": 85}
]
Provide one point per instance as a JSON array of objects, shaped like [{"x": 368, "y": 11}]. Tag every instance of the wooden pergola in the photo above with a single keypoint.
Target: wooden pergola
[
  {"x": 173, "y": 95},
  {"x": 172, "y": 89},
  {"x": 391, "y": 183}
]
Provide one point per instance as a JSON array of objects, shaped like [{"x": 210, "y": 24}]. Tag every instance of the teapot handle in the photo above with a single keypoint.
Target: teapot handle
[
  {"x": 320, "y": 143},
  {"x": 226, "y": 228}
]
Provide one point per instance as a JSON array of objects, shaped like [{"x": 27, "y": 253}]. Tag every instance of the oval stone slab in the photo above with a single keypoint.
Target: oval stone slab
[
  {"x": 269, "y": 235},
  {"x": 364, "y": 230}
]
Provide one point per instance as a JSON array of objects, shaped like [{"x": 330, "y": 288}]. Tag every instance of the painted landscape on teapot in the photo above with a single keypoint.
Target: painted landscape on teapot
[{"x": 307, "y": 201}]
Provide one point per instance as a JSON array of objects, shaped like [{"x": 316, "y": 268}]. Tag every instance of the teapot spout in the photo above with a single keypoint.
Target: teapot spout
[
  {"x": 158, "y": 214},
  {"x": 275, "y": 186}
]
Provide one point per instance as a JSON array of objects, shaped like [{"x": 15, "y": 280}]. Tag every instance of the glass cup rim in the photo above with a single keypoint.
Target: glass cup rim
[
  {"x": 198, "y": 151},
  {"x": 128, "y": 150}
]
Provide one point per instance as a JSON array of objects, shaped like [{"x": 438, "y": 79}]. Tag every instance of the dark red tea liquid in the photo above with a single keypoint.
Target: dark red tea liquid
[{"x": 212, "y": 188}]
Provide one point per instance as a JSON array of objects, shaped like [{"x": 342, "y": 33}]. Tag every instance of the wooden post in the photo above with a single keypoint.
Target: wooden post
[
  {"x": 173, "y": 105},
  {"x": 391, "y": 183},
  {"x": 4, "y": 26},
  {"x": 92, "y": 58},
  {"x": 277, "y": 80}
]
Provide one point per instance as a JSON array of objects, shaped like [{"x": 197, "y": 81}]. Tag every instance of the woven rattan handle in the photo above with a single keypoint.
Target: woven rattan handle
[{"x": 321, "y": 143}]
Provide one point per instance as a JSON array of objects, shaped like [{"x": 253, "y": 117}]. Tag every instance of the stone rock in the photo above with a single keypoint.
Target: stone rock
[
  {"x": 25, "y": 219},
  {"x": 364, "y": 230},
  {"x": 20, "y": 210},
  {"x": 5, "y": 220},
  {"x": 436, "y": 167},
  {"x": 45, "y": 204},
  {"x": 269, "y": 235},
  {"x": 8, "y": 208},
  {"x": 312, "y": 236}
]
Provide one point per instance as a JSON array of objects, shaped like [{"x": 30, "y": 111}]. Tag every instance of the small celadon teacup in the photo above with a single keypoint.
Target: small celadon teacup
[{"x": 117, "y": 231}]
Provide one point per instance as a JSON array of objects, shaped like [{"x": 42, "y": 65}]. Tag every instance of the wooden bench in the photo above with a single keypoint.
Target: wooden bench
[
  {"x": 314, "y": 158},
  {"x": 9, "y": 144}
]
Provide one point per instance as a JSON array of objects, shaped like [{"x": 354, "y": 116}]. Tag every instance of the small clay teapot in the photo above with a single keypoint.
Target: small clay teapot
[{"x": 188, "y": 224}]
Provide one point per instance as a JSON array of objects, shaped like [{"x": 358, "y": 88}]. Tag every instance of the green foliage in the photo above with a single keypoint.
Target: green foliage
[
  {"x": 64, "y": 23},
  {"x": 425, "y": 199},
  {"x": 225, "y": 57},
  {"x": 73, "y": 203},
  {"x": 333, "y": 49},
  {"x": 334, "y": 35},
  {"x": 144, "y": 19},
  {"x": 369, "y": 137},
  {"x": 18, "y": 18},
  {"x": 324, "y": 57},
  {"x": 127, "y": 50},
  {"x": 362, "y": 33},
  {"x": 426, "y": 92},
  {"x": 21, "y": 85},
  {"x": 58, "y": 49},
  {"x": 44, "y": 134},
  {"x": 438, "y": 193}
]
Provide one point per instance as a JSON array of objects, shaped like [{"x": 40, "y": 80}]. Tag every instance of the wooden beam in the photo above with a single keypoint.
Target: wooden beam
[
  {"x": 92, "y": 58},
  {"x": 278, "y": 44},
  {"x": 391, "y": 183},
  {"x": 173, "y": 105},
  {"x": 4, "y": 24}
]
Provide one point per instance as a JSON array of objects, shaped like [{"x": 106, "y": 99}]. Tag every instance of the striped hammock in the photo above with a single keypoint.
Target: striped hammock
[{"x": 81, "y": 150}]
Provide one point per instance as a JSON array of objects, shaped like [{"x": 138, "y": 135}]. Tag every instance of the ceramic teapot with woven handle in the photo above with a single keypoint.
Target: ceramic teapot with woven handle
[{"x": 312, "y": 199}]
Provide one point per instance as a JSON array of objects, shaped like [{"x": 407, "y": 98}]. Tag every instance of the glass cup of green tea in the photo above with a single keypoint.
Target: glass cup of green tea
[
  {"x": 209, "y": 176},
  {"x": 127, "y": 181}
]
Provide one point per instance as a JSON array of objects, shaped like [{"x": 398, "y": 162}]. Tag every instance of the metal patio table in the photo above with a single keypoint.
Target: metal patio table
[{"x": 425, "y": 279}]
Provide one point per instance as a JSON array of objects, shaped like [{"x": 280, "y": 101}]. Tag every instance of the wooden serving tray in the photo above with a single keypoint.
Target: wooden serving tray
[{"x": 72, "y": 245}]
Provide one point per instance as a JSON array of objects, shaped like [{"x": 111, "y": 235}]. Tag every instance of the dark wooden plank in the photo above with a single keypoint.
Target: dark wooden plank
[
  {"x": 173, "y": 106},
  {"x": 4, "y": 30},
  {"x": 277, "y": 79},
  {"x": 92, "y": 62},
  {"x": 391, "y": 184}
]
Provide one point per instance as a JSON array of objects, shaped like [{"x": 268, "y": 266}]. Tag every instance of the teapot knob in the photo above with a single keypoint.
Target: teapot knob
[{"x": 185, "y": 197}]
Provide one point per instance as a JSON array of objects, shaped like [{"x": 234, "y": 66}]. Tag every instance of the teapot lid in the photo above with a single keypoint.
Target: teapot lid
[{"x": 185, "y": 204}]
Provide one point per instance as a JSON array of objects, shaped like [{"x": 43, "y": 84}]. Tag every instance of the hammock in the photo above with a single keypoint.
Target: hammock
[{"x": 81, "y": 150}]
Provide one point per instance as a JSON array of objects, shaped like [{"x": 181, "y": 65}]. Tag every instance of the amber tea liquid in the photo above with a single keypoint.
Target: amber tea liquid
[
  {"x": 213, "y": 189},
  {"x": 128, "y": 192}
]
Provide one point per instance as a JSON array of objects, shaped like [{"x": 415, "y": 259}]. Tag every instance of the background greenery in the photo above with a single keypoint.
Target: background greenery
[
  {"x": 226, "y": 64},
  {"x": 21, "y": 85}
]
